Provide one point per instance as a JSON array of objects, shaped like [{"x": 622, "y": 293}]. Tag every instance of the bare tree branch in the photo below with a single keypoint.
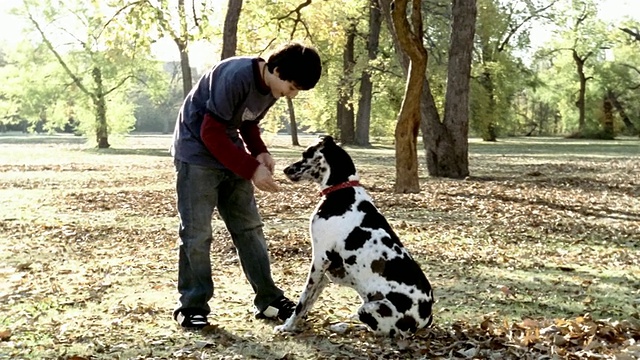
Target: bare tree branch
[
  {"x": 296, "y": 10},
  {"x": 582, "y": 17},
  {"x": 120, "y": 83},
  {"x": 631, "y": 67},
  {"x": 297, "y": 19},
  {"x": 635, "y": 34},
  {"x": 117, "y": 13},
  {"x": 514, "y": 29},
  {"x": 61, "y": 61}
]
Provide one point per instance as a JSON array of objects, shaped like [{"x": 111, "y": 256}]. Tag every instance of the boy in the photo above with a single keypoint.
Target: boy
[{"x": 217, "y": 121}]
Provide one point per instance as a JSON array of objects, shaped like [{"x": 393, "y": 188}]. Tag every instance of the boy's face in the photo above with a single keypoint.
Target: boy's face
[{"x": 280, "y": 88}]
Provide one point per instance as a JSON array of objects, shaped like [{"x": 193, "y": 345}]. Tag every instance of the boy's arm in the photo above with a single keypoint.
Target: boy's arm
[
  {"x": 214, "y": 136},
  {"x": 251, "y": 135}
]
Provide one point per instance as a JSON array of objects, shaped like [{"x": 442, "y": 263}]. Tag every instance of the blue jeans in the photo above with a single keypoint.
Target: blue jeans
[{"x": 200, "y": 190}]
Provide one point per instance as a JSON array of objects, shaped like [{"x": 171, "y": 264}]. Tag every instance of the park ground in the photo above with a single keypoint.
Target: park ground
[{"x": 535, "y": 256}]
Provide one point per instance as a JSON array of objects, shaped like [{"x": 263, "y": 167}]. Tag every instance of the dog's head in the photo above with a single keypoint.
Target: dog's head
[{"x": 324, "y": 163}]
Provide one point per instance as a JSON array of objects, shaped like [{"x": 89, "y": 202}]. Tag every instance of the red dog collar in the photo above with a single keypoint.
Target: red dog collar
[{"x": 343, "y": 185}]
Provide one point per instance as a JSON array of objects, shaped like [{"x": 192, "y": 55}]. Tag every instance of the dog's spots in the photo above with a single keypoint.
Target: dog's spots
[
  {"x": 337, "y": 205},
  {"x": 397, "y": 249},
  {"x": 387, "y": 242},
  {"x": 351, "y": 260},
  {"x": 401, "y": 301},
  {"x": 377, "y": 266},
  {"x": 425, "y": 308},
  {"x": 375, "y": 296},
  {"x": 336, "y": 268},
  {"x": 384, "y": 310},
  {"x": 368, "y": 319},
  {"x": 407, "y": 323},
  {"x": 374, "y": 220},
  {"x": 402, "y": 270},
  {"x": 356, "y": 239}
]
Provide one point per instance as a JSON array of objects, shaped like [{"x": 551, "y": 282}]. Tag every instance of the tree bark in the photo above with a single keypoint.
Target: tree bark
[
  {"x": 182, "y": 42},
  {"x": 607, "y": 121},
  {"x": 346, "y": 116},
  {"x": 631, "y": 128},
  {"x": 363, "y": 118},
  {"x": 409, "y": 32},
  {"x": 102, "y": 129},
  {"x": 293, "y": 124},
  {"x": 580, "y": 103},
  {"x": 448, "y": 144},
  {"x": 230, "y": 34},
  {"x": 489, "y": 132}
]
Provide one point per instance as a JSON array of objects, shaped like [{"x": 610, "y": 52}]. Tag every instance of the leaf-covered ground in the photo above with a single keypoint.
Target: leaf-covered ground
[{"x": 536, "y": 256}]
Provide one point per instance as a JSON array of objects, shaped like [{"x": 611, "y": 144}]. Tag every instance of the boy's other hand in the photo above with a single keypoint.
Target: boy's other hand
[{"x": 263, "y": 179}]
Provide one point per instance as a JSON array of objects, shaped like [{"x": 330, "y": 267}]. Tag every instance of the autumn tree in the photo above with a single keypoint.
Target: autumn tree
[
  {"x": 408, "y": 27},
  {"x": 345, "y": 116},
  {"x": 230, "y": 32},
  {"x": 501, "y": 27},
  {"x": 445, "y": 140},
  {"x": 363, "y": 117},
  {"x": 97, "y": 54}
]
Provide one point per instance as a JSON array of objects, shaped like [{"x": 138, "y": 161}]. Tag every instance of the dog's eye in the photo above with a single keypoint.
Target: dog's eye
[{"x": 308, "y": 154}]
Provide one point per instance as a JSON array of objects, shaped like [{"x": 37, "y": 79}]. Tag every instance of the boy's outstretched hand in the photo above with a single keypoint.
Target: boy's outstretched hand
[{"x": 263, "y": 179}]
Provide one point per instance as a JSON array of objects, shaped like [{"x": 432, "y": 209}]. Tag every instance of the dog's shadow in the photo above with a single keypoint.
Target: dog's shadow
[{"x": 354, "y": 343}]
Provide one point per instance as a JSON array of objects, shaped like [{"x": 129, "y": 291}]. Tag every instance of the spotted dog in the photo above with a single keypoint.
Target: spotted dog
[{"x": 353, "y": 245}]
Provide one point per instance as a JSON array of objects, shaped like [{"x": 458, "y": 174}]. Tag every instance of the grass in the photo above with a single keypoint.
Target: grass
[{"x": 544, "y": 229}]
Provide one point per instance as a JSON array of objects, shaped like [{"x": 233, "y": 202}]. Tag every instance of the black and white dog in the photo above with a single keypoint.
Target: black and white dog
[{"x": 353, "y": 245}]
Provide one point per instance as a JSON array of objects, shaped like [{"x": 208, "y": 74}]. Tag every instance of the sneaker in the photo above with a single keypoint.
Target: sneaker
[
  {"x": 281, "y": 308},
  {"x": 192, "y": 321}
]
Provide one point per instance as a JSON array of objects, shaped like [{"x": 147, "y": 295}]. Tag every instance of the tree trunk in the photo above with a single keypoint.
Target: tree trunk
[
  {"x": 403, "y": 58},
  {"x": 102, "y": 129},
  {"x": 607, "y": 119},
  {"x": 230, "y": 34},
  {"x": 489, "y": 132},
  {"x": 293, "y": 123},
  {"x": 580, "y": 103},
  {"x": 363, "y": 118},
  {"x": 346, "y": 116},
  {"x": 410, "y": 40},
  {"x": 631, "y": 128},
  {"x": 448, "y": 144},
  {"x": 182, "y": 42}
]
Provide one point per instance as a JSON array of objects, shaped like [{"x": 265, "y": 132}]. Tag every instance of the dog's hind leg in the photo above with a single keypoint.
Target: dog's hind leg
[{"x": 316, "y": 282}]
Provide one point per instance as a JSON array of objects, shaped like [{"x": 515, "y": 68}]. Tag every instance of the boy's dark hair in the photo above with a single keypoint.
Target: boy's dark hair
[{"x": 296, "y": 63}]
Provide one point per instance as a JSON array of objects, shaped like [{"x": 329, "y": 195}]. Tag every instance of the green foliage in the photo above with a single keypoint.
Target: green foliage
[{"x": 580, "y": 30}]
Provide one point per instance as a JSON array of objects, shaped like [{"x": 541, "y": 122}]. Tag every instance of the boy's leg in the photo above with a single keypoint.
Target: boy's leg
[
  {"x": 238, "y": 209},
  {"x": 197, "y": 192}
]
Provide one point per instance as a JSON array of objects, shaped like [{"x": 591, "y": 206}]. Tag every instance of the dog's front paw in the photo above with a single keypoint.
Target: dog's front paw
[{"x": 284, "y": 328}]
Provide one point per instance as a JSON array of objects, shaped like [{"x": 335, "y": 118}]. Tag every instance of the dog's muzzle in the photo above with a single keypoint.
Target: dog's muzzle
[{"x": 293, "y": 172}]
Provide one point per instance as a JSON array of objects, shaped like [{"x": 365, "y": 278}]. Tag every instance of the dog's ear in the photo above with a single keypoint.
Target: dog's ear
[{"x": 328, "y": 139}]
